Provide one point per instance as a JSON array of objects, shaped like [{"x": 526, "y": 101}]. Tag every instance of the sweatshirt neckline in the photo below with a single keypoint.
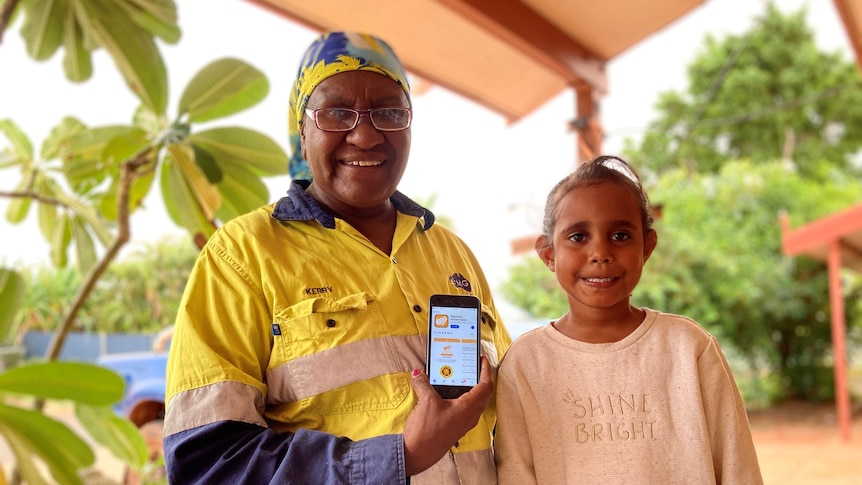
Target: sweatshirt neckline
[{"x": 628, "y": 340}]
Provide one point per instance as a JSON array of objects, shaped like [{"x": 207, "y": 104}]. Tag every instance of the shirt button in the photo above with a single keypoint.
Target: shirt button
[
  {"x": 394, "y": 260},
  {"x": 330, "y": 323},
  {"x": 417, "y": 308}
]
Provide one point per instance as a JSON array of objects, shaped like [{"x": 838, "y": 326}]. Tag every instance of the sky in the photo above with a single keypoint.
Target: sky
[{"x": 489, "y": 177}]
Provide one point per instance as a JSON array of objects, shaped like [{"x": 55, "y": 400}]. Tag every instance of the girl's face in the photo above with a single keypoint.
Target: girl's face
[{"x": 599, "y": 248}]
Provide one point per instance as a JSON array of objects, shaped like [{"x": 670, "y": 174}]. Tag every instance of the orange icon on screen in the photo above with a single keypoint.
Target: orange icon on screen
[
  {"x": 447, "y": 351},
  {"x": 441, "y": 320},
  {"x": 446, "y": 371}
]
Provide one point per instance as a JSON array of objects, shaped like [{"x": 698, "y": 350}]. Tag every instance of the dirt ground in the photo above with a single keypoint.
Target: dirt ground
[{"x": 801, "y": 443}]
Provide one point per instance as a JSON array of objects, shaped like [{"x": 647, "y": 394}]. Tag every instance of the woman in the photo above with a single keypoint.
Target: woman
[{"x": 298, "y": 342}]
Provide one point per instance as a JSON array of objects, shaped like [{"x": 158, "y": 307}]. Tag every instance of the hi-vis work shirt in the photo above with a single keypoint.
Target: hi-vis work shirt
[{"x": 294, "y": 345}]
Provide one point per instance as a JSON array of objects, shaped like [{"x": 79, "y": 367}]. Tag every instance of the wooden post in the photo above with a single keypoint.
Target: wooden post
[
  {"x": 588, "y": 124},
  {"x": 836, "y": 302}
]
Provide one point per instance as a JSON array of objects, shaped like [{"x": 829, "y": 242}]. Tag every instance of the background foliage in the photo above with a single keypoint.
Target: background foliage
[
  {"x": 766, "y": 94},
  {"x": 139, "y": 293}
]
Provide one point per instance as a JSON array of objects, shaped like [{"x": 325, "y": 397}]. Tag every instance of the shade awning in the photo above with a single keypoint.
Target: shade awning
[
  {"x": 510, "y": 56},
  {"x": 814, "y": 239}
]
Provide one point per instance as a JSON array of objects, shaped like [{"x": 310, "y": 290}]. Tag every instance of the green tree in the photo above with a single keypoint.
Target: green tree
[
  {"x": 765, "y": 94},
  {"x": 719, "y": 261}
]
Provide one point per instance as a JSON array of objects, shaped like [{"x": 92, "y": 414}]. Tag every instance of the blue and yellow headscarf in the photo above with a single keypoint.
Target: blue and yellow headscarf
[{"x": 330, "y": 54}]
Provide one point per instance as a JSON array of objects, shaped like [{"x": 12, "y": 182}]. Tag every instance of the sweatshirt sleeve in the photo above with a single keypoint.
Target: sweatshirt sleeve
[
  {"x": 734, "y": 455},
  {"x": 234, "y": 452},
  {"x": 513, "y": 452}
]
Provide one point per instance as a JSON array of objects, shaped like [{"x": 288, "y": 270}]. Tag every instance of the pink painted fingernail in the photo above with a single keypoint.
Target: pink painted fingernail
[{"x": 416, "y": 372}]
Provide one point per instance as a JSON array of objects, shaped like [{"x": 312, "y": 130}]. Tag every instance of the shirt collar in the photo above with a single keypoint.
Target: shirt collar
[{"x": 299, "y": 206}]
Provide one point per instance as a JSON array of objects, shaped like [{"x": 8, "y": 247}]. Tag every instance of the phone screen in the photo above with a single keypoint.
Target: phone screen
[{"x": 453, "y": 344}]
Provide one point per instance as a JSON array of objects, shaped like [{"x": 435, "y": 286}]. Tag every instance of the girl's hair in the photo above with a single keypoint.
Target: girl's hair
[{"x": 602, "y": 169}]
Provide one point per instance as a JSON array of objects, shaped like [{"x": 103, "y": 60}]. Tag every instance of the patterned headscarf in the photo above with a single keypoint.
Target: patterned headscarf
[{"x": 330, "y": 54}]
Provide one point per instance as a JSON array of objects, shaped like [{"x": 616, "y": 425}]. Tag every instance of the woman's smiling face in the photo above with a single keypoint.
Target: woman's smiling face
[{"x": 360, "y": 168}]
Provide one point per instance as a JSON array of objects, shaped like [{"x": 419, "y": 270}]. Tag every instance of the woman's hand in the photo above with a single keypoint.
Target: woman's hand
[{"x": 436, "y": 423}]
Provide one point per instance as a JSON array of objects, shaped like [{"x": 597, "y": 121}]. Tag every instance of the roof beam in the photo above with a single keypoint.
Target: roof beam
[
  {"x": 821, "y": 232},
  {"x": 532, "y": 34},
  {"x": 850, "y": 12}
]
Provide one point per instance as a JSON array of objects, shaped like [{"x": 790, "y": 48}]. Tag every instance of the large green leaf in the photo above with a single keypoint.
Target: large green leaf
[
  {"x": 19, "y": 206},
  {"x": 84, "y": 174},
  {"x": 12, "y": 288},
  {"x": 164, "y": 10},
  {"x": 85, "y": 250},
  {"x": 77, "y": 61},
  {"x": 8, "y": 159},
  {"x": 66, "y": 128},
  {"x": 31, "y": 433},
  {"x": 28, "y": 469},
  {"x": 242, "y": 191},
  {"x": 117, "y": 434},
  {"x": 47, "y": 212},
  {"x": 90, "y": 144},
  {"x": 243, "y": 147},
  {"x": 158, "y": 18},
  {"x": 89, "y": 214},
  {"x": 126, "y": 146},
  {"x": 180, "y": 200},
  {"x": 43, "y": 27},
  {"x": 208, "y": 164},
  {"x": 132, "y": 49},
  {"x": 207, "y": 194},
  {"x": 21, "y": 147},
  {"x": 60, "y": 239},
  {"x": 76, "y": 381},
  {"x": 147, "y": 120},
  {"x": 222, "y": 88},
  {"x": 90, "y": 156}
]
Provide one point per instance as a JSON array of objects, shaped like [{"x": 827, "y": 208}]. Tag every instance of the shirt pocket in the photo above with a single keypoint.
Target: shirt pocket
[
  {"x": 319, "y": 324},
  {"x": 331, "y": 346}
]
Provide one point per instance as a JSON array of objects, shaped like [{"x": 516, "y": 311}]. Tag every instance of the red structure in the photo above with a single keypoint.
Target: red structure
[{"x": 836, "y": 240}]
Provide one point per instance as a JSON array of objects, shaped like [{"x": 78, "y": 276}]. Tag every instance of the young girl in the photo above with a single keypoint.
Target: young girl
[{"x": 609, "y": 392}]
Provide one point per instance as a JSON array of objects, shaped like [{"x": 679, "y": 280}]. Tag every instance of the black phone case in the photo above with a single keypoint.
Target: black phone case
[{"x": 460, "y": 301}]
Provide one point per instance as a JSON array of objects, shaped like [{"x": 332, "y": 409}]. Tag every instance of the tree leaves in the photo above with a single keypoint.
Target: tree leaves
[
  {"x": 222, "y": 88},
  {"x": 125, "y": 29},
  {"x": 132, "y": 49},
  {"x": 765, "y": 94},
  {"x": 32, "y": 435},
  {"x": 12, "y": 289}
]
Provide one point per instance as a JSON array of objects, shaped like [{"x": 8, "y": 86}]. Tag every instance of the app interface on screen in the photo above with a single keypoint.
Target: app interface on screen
[{"x": 453, "y": 346}]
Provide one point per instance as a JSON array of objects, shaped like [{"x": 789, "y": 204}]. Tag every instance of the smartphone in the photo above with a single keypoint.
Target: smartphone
[{"x": 453, "y": 344}]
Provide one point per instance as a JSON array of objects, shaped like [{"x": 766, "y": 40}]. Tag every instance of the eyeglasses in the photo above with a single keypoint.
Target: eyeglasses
[{"x": 346, "y": 119}]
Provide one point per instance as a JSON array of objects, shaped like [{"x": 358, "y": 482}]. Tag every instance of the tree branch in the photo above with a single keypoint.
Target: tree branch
[
  {"x": 127, "y": 175},
  {"x": 35, "y": 196}
]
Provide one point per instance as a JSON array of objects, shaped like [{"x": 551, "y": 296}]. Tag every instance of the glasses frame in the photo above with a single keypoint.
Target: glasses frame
[{"x": 312, "y": 113}]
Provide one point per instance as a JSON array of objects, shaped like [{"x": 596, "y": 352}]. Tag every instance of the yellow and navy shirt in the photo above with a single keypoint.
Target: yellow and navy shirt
[{"x": 294, "y": 344}]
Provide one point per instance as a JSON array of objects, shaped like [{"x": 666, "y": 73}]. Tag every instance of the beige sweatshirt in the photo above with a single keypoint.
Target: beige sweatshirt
[{"x": 658, "y": 407}]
